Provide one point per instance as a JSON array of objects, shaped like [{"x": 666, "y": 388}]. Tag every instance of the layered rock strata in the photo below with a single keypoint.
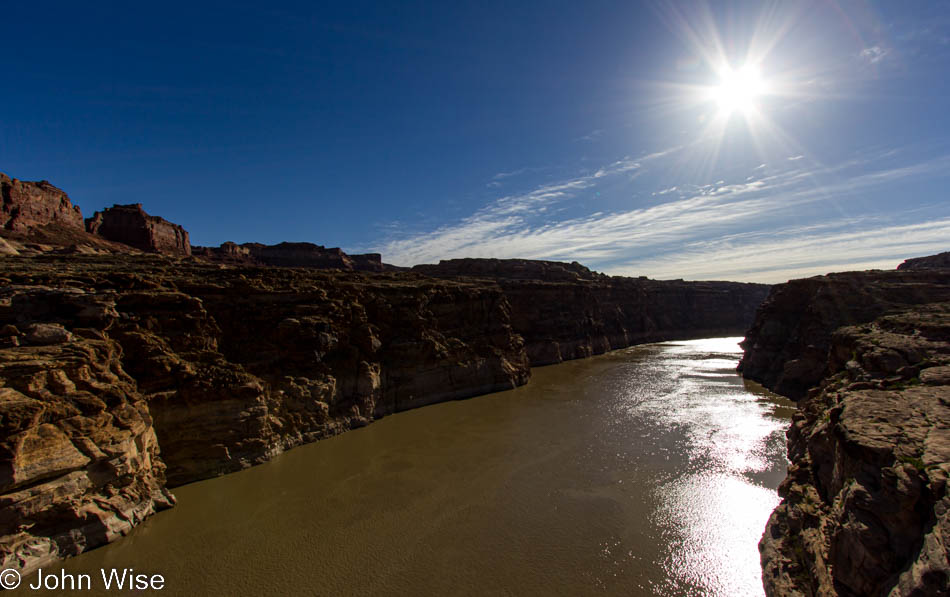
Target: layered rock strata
[
  {"x": 565, "y": 311},
  {"x": 130, "y": 225},
  {"x": 864, "y": 507},
  {"x": 28, "y": 205},
  {"x": 80, "y": 462},
  {"x": 125, "y": 374},
  {"x": 787, "y": 347},
  {"x": 292, "y": 255},
  {"x": 103, "y": 359}
]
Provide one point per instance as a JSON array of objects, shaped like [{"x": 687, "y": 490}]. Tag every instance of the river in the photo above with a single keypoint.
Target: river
[{"x": 646, "y": 471}]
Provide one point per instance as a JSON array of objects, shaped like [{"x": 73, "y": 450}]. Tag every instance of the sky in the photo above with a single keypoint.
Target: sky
[{"x": 755, "y": 141}]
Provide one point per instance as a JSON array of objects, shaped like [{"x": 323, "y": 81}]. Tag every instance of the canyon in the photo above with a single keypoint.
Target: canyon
[
  {"x": 131, "y": 364},
  {"x": 865, "y": 502}
]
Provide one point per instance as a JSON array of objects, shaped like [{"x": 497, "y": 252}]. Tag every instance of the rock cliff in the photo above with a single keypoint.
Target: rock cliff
[
  {"x": 122, "y": 375},
  {"x": 865, "y": 503},
  {"x": 28, "y": 205},
  {"x": 565, "y": 311},
  {"x": 130, "y": 225},
  {"x": 787, "y": 347},
  {"x": 104, "y": 359},
  {"x": 285, "y": 254}
]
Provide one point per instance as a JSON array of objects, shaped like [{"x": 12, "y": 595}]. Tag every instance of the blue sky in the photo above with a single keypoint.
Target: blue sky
[{"x": 583, "y": 131}]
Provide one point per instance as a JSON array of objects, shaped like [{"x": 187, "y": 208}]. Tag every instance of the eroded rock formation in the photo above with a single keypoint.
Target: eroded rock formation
[
  {"x": 28, "y": 205},
  {"x": 130, "y": 225},
  {"x": 787, "y": 347},
  {"x": 286, "y": 254},
  {"x": 865, "y": 503},
  {"x": 80, "y": 461},
  {"x": 126, "y": 374},
  {"x": 565, "y": 311},
  {"x": 104, "y": 359}
]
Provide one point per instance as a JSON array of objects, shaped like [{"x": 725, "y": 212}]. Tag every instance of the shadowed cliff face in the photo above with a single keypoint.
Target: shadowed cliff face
[
  {"x": 105, "y": 359},
  {"x": 865, "y": 503},
  {"x": 125, "y": 374},
  {"x": 938, "y": 261},
  {"x": 786, "y": 349},
  {"x": 130, "y": 225},
  {"x": 565, "y": 311}
]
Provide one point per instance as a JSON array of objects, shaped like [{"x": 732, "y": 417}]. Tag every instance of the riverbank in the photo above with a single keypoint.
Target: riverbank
[
  {"x": 865, "y": 505},
  {"x": 646, "y": 470},
  {"x": 127, "y": 374}
]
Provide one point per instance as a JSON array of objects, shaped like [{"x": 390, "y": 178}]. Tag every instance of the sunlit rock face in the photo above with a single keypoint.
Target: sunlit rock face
[
  {"x": 104, "y": 359},
  {"x": 865, "y": 503},
  {"x": 26, "y": 205},
  {"x": 80, "y": 460}
]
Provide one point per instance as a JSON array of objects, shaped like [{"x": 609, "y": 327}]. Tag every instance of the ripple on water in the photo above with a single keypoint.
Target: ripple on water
[{"x": 647, "y": 471}]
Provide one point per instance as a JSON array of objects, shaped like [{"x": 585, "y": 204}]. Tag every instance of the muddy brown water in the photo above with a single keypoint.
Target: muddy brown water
[{"x": 647, "y": 471}]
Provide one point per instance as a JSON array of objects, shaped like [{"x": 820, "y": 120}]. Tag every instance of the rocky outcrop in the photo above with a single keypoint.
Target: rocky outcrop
[
  {"x": 938, "y": 261},
  {"x": 104, "y": 359},
  {"x": 864, "y": 507},
  {"x": 565, "y": 311},
  {"x": 512, "y": 269},
  {"x": 285, "y": 254},
  {"x": 122, "y": 375},
  {"x": 80, "y": 462},
  {"x": 130, "y": 225},
  {"x": 787, "y": 347},
  {"x": 28, "y": 205}
]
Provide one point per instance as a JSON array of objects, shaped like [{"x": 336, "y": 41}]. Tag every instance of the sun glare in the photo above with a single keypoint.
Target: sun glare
[{"x": 738, "y": 89}]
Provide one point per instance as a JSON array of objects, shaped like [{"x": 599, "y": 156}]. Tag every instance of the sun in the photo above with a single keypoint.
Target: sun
[{"x": 739, "y": 89}]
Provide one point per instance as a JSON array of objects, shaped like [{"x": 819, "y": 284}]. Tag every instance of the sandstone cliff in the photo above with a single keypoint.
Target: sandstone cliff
[
  {"x": 28, "y": 205},
  {"x": 865, "y": 503},
  {"x": 104, "y": 359},
  {"x": 787, "y": 347},
  {"x": 130, "y": 225},
  {"x": 292, "y": 255},
  {"x": 565, "y": 311},
  {"x": 124, "y": 374}
]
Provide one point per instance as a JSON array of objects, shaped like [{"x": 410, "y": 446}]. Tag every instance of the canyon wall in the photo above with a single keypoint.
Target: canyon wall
[
  {"x": 565, "y": 311},
  {"x": 123, "y": 375},
  {"x": 126, "y": 374},
  {"x": 864, "y": 507},
  {"x": 292, "y": 255}
]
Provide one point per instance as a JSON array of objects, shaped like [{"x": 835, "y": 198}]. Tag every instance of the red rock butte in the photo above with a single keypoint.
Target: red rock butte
[
  {"x": 129, "y": 224},
  {"x": 28, "y": 205}
]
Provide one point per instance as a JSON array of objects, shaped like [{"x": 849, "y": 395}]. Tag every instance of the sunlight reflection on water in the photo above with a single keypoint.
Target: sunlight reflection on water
[
  {"x": 714, "y": 513},
  {"x": 646, "y": 471}
]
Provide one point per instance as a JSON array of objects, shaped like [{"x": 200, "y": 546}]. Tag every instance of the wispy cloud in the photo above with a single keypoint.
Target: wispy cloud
[
  {"x": 591, "y": 136},
  {"x": 874, "y": 54},
  {"x": 779, "y": 255},
  {"x": 723, "y": 230}
]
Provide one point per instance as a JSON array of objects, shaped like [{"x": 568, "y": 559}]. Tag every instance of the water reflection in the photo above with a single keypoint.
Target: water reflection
[
  {"x": 648, "y": 471},
  {"x": 713, "y": 513}
]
